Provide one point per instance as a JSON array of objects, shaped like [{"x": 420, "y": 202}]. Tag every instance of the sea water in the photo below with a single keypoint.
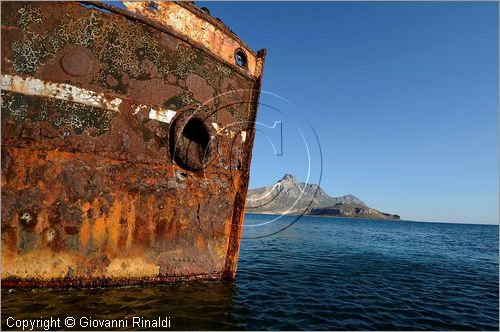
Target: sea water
[{"x": 318, "y": 273}]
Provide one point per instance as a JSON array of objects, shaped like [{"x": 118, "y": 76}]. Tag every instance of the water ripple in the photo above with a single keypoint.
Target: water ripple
[{"x": 320, "y": 274}]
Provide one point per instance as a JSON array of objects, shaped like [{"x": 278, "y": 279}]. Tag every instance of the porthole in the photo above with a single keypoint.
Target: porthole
[
  {"x": 240, "y": 57},
  {"x": 190, "y": 142}
]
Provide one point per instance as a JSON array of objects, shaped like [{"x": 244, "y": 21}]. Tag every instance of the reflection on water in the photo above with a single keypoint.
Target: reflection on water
[
  {"x": 196, "y": 306},
  {"x": 319, "y": 274}
]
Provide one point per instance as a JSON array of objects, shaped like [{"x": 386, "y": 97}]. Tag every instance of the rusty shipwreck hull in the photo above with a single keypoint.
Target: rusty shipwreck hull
[{"x": 126, "y": 143}]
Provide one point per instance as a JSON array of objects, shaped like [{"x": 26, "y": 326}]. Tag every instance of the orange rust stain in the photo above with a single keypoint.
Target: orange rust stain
[
  {"x": 130, "y": 223},
  {"x": 85, "y": 228},
  {"x": 200, "y": 243},
  {"x": 132, "y": 267},
  {"x": 41, "y": 186},
  {"x": 19, "y": 177},
  {"x": 63, "y": 155},
  {"x": 9, "y": 248},
  {"x": 236, "y": 181},
  {"x": 85, "y": 206},
  {"x": 113, "y": 225},
  {"x": 15, "y": 221},
  {"x": 55, "y": 155},
  {"x": 42, "y": 222},
  {"x": 98, "y": 230},
  {"x": 7, "y": 257},
  {"x": 99, "y": 222},
  {"x": 55, "y": 169},
  {"x": 172, "y": 229},
  {"x": 223, "y": 248},
  {"x": 20, "y": 168},
  {"x": 39, "y": 264},
  {"x": 240, "y": 228},
  {"x": 84, "y": 233},
  {"x": 151, "y": 225}
]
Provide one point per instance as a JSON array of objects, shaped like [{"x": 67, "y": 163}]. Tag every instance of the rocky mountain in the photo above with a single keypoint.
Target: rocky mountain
[
  {"x": 352, "y": 211},
  {"x": 290, "y": 196}
]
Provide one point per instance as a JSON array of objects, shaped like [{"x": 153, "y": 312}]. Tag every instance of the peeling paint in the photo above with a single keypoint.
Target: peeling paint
[
  {"x": 162, "y": 115},
  {"x": 91, "y": 99},
  {"x": 210, "y": 34},
  {"x": 36, "y": 87}
]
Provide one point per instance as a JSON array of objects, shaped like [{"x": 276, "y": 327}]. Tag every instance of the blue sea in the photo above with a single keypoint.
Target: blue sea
[{"x": 317, "y": 274}]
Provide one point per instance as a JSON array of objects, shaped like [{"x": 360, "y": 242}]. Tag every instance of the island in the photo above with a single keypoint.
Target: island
[{"x": 290, "y": 196}]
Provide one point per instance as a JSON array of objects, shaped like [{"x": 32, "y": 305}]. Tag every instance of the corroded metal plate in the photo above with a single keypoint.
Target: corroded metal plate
[{"x": 126, "y": 143}]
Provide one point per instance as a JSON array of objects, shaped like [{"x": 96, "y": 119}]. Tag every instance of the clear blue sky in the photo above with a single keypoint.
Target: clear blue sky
[{"x": 403, "y": 98}]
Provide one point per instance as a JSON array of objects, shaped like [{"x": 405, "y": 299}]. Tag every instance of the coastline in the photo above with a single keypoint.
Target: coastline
[
  {"x": 327, "y": 216},
  {"x": 374, "y": 219}
]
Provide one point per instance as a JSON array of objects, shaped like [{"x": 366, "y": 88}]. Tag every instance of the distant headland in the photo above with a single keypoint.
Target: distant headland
[{"x": 290, "y": 196}]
